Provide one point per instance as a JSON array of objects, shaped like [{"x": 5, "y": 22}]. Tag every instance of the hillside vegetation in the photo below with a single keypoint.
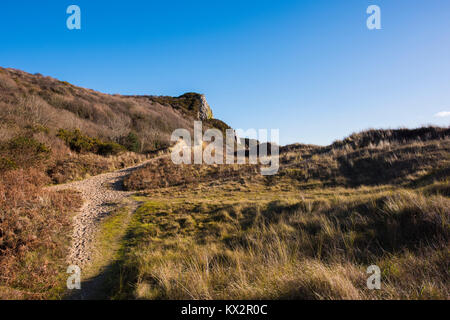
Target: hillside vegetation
[
  {"x": 54, "y": 132},
  {"x": 378, "y": 197},
  {"x": 75, "y": 132}
]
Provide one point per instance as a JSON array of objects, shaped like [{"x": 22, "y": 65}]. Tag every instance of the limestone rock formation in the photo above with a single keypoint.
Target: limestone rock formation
[{"x": 205, "y": 111}]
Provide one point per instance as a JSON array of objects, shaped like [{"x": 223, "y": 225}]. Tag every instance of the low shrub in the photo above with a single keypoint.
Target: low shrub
[
  {"x": 109, "y": 148},
  {"x": 131, "y": 142},
  {"x": 77, "y": 141},
  {"x": 22, "y": 152},
  {"x": 7, "y": 164},
  {"x": 83, "y": 144}
]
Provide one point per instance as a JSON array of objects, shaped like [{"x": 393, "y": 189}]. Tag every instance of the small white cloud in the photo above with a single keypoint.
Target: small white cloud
[{"x": 442, "y": 114}]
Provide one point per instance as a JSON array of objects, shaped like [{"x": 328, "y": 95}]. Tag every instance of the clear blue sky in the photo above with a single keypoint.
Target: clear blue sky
[{"x": 310, "y": 68}]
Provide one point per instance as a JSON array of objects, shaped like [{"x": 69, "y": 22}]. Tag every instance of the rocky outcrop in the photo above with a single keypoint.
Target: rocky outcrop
[
  {"x": 205, "y": 111},
  {"x": 192, "y": 103}
]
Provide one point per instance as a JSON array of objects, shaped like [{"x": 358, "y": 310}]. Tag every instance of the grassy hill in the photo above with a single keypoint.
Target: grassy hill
[
  {"x": 379, "y": 197},
  {"x": 79, "y": 127},
  {"x": 54, "y": 132}
]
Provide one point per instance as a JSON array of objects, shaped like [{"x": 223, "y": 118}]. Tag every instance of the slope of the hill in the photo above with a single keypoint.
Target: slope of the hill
[
  {"x": 27, "y": 99},
  {"x": 54, "y": 132},
  {"x": 70, "y": 130},
  {"x": 375, "y": 157}
]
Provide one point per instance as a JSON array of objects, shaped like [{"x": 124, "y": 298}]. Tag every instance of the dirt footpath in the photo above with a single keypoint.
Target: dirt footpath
[{"x": 98, "y": 193}]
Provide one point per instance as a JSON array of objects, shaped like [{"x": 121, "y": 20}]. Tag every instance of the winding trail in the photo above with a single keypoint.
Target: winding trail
[{"x": 99, "y": 193}]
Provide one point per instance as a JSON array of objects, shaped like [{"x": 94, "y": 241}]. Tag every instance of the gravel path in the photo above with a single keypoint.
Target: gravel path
[{"x": 98, "y": 193}]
